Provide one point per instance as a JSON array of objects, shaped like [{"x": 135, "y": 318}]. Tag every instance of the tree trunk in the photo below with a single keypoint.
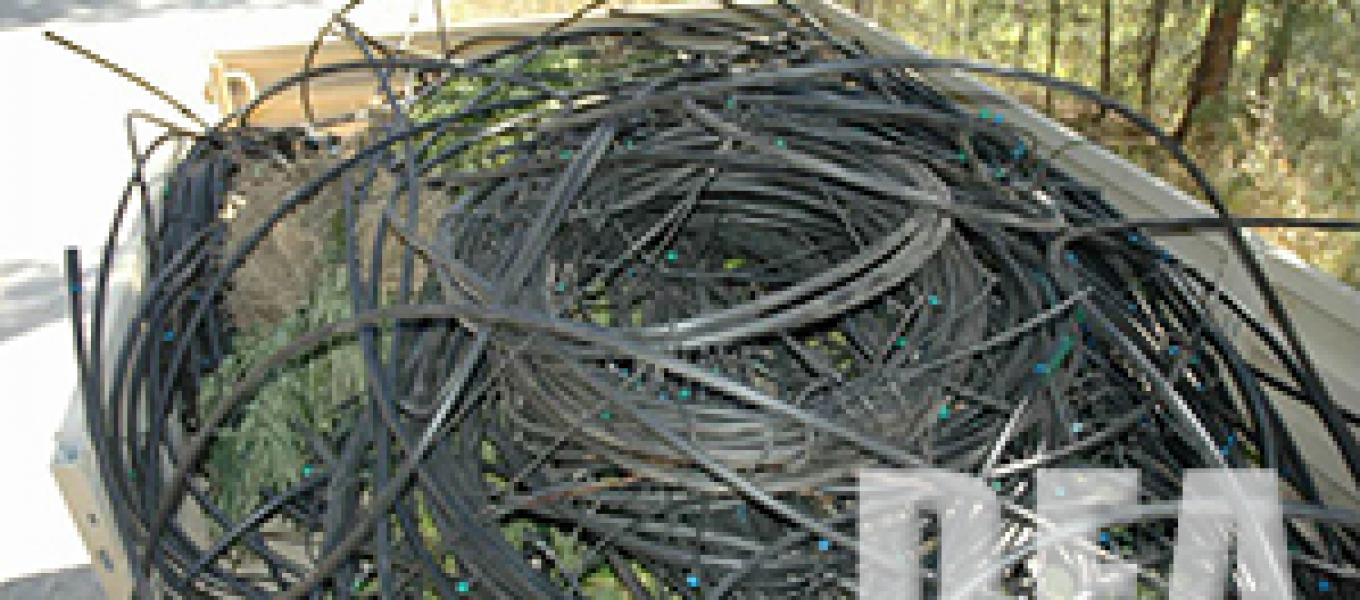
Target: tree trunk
[
  {"x": 1106, "y": 77},
  {"x": 943, "y": 29},
  {"x": 1148, "y": 70},
  {"x": 1054, "y": 25},
  {"x": 1022, "y": 51},
  {"x": 1277, "y": 56},
  {"x": 956, "y": 26},
  {"x": 1215, "y": 60}
]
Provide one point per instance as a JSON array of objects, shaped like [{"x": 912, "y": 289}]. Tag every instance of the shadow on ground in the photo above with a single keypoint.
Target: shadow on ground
[
  {"x": 32, "y": 294},
  {"x": 21, "y": 13},
  {"x": 75, "y": 583}
]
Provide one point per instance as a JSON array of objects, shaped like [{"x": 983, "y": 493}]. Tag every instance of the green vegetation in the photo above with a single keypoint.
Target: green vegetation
[
  {"x": 268, "y": 446},
  {"x": 296, "y": 282},
  {"x": 1264, "y": 93},
  {"x": 511, "y": 106}
]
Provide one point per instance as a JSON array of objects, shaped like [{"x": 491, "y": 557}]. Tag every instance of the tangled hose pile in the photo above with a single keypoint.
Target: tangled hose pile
[{"x": 633, "y": 327}]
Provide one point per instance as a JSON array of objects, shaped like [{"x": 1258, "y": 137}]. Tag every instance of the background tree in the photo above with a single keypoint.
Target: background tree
[
  {"x": 1215, "y": 60},
  {"x": 1278, "y": 53},
  {"x": 1106, "y": 26},
  {"x": 1054, "y": 35},
  {"x": 1265, "y": 94},
  {"x": 1156, "y": 19}
]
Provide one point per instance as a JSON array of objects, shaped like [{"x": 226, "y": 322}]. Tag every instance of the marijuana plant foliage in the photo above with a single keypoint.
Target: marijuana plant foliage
[{"x": 301, "y": 405}]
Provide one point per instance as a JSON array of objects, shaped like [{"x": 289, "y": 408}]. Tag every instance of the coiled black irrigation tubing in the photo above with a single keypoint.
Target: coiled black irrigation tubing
[{"x": 653, "y": 319}]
